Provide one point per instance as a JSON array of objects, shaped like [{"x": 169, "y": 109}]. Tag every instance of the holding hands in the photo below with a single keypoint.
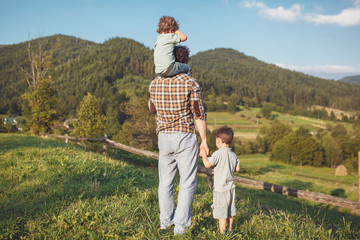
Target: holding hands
[{"x": 202, "y": 152}]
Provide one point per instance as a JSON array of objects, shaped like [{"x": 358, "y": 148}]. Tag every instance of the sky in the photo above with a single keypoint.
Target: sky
[{"x": 316, "y": 37}]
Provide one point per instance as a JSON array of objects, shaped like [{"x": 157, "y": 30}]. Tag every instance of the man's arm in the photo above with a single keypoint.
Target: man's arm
[
  {"x": 202, "y": 126},
  {"x": 198, "y": 110},
  {"x": 151, "y": 107},
  {"x": 183, "y": 37}
]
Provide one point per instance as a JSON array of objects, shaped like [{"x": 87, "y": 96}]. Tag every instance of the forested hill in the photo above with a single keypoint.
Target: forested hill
[
  {"x": 110, "y": 69},
  {"x": 78, "y": 67},
  {"x": 351, "y": 79},
  {"x": 229, "y": 71}
]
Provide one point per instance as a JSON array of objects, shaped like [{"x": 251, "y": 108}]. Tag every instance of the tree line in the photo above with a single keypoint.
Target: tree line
[
  {"x": 81, "y": 66},
  {"x": 105, "y": 86}
]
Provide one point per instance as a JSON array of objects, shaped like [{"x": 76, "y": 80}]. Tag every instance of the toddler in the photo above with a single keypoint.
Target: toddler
[
  {"x": 225, "y": 163},
  {"x": 164, "y": 59}
]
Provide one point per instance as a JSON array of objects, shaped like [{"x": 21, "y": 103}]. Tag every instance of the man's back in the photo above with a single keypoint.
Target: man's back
[{"x": 176, "y": 99}]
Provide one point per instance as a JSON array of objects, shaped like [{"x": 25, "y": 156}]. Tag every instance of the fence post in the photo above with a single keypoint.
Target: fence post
[
  {"x": 105, "y": 145},
  {"x": 66, "y": 138}
]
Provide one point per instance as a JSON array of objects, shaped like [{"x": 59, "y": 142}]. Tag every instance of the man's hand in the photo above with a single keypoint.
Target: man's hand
[
  {"x": 202, "y": 152},
  {"x": 204, "y": 149},
  {"x": 201, "y": 126}
]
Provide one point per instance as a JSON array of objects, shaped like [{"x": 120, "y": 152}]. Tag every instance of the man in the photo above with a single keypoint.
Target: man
[{"x": 177, "y": 101}]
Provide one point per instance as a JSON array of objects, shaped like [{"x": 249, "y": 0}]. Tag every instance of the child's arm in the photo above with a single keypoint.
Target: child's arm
[
  {"x": 183, "y": 37},
  {"x": 205, "y": 160},
  {"x": 237, "y": 168}
]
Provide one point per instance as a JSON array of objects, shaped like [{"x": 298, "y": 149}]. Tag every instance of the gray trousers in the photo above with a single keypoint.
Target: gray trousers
[{"x": 177, "y": 151}]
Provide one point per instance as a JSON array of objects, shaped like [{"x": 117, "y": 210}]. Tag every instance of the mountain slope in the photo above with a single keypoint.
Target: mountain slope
[
  {"x": 12, "y": 81},
  {"x": 227, "y": 71},
  {"x": 351, "y": 79},
  {"x": 110, "y": 69},
  {"x": 79, "y": 67}
]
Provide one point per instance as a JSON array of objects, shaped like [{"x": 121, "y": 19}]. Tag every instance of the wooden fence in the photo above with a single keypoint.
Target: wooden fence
[{"x": 312, "y": 196}]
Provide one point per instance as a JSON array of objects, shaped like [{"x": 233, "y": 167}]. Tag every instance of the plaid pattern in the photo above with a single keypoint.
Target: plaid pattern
[{"x": 177, "y": 99}]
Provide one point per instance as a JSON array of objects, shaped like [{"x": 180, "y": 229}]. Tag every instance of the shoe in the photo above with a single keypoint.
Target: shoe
[
  {"x": 179, "y": 230},
  {"x": 164, "y": 228}
]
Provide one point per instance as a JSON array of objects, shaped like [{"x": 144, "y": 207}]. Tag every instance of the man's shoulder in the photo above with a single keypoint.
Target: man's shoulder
[
  {"x": 178, "y": 77},
  {"x": 186, "y": 78}
]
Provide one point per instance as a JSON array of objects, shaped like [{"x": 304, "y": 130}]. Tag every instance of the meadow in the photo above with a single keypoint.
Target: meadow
[
  {"x": 49, "y": 189},
  {"x": 313, "y": 179},
  {"x": 247, "y": 122}
]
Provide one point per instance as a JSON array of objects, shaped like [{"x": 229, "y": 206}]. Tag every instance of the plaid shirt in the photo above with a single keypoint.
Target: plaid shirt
[{"x": 176, "y": 99}]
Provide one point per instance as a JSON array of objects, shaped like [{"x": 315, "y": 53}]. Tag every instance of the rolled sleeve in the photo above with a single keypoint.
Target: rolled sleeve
[{"x": 197, "y": 106}]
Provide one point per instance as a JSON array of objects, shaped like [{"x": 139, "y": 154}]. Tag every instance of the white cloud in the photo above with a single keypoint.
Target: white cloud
[
  {"x": 347, "y": 17},
  {"x": 279, "y": 13},
  {"x": 323, "y": 70}
]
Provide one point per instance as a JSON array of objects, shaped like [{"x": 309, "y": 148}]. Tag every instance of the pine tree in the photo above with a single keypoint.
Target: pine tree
[{"x": 91, "y": 122}]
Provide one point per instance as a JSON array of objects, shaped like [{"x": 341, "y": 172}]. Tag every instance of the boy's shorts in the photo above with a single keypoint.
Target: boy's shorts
[{"x": 224, "y": 204}]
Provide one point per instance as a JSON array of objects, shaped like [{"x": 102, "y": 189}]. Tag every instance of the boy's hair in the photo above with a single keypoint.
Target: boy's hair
[
  {"x": 226, "y": 134},
  {"x": 167, "y": 24},
  {"x": 181, "y": 54}
]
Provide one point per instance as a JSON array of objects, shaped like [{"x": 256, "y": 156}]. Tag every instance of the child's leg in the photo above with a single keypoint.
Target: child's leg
[
  {"x": 180, "y": 68},
  {"x": 222, "y": 225},
  {"x": 230, "y": 221}
]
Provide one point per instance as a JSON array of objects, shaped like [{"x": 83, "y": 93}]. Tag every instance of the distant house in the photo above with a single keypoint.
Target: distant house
[{"x": 10, "y": 121}]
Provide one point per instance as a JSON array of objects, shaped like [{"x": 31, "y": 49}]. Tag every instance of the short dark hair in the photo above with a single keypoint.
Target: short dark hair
[
  {"x": 167, "y": 24},
  {"x": 181, "y": 54},
  {"x": 226, "y": 134}
]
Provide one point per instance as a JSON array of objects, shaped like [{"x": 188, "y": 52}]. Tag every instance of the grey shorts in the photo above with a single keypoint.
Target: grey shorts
[{"x": 224, "y": 204}]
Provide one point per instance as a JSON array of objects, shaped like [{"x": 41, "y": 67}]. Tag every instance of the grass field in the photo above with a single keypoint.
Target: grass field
[
  {"x": 305, "y": 178},
  {"x": 246, "y": 124},
  {"x": 50, "y": 190}
]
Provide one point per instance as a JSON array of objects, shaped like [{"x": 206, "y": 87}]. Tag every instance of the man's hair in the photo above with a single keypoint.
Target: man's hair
[
  {"x": 167, "y": 24},
  {"x": 226, "y": 134},
  {"x": 181, "y": 54}
]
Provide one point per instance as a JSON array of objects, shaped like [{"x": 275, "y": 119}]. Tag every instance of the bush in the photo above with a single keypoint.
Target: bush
[{"x": 297, "y": 149}]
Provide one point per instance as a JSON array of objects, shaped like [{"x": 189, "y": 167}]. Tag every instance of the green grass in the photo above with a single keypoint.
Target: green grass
[
  {"x": 246, "y": 131},
  {"x": 306, "y": 178},
  {"x": 56, "y": 191},
  {"x": 247, "y": 117},
  {"x": 225, "y": 118}
]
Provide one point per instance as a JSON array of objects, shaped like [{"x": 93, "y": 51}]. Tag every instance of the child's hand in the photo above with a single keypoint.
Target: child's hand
[
  {"x": 202, "y": 152},
  {"x": 183, "y": 37}
]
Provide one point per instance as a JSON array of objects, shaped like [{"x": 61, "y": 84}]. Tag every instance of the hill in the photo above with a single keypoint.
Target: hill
[
  {"x": 351, "y": 79},
  {"x": 118, "y": 67},
  {"x": 79, "y": 67},
  {"x": 229, "y": 71},
  {"x": 58, "y": 191}
]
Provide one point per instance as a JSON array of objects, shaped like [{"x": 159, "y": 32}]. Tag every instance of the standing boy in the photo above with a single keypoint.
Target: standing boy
[
  {"x": 225, "y": 163},
  {"x": 164, "y": 59}
]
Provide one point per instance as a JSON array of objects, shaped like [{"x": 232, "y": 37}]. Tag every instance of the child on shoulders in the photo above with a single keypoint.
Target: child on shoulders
[{"x": 164, "y": 59}]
